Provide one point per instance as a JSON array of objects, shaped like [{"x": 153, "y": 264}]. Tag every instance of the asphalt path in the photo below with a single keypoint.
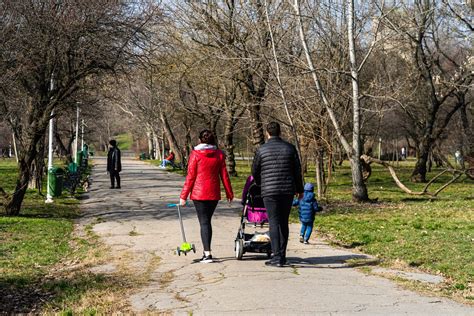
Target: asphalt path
[{"x": 137, "y": 222}]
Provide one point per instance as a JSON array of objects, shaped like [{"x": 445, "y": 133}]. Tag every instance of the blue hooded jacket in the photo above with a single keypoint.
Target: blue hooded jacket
[{"x": 308, "y": 206}]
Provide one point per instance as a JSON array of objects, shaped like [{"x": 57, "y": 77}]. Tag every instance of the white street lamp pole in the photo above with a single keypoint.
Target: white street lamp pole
[
  {"x": 82, "y": 134},
  {"x": 76, "y": 143},
  {"x": 49, "y": 197}
]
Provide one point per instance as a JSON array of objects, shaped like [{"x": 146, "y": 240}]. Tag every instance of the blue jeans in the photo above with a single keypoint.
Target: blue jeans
[
  {"x": 306, "y": 230},
  {"x": 165, "y": 162}
]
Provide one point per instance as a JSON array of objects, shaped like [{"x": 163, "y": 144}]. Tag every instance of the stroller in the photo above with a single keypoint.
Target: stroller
[{"x": 254, "y": 215}]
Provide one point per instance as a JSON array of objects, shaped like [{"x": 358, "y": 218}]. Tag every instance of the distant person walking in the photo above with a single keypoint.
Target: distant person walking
[
  {"x": 206, "y": 169},
  {"x": 277, "y": 169},
  {"x": 458, "y": 157},
  {"x": 404, "y": 153},
  {"x": 114, "y": 164}
]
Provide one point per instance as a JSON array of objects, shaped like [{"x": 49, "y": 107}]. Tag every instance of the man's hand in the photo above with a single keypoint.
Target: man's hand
[{"x": 182, "y": 202}]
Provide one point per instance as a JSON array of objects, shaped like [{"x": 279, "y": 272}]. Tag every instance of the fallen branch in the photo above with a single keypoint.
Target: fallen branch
[{"x": 456, "y": 175}]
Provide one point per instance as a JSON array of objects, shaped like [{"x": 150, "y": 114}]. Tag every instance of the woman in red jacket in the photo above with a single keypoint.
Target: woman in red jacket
[{"x": 206, "y": 168}]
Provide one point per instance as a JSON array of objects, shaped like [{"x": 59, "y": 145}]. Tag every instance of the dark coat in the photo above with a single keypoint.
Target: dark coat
[
  {"x": 114, "y": 161},
  {"x": 308, "y": 206},
  {"x": 277, "y": 168}
]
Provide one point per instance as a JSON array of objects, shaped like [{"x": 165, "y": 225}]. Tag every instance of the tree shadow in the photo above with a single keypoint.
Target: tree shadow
[{"x": 154, "y": 210}]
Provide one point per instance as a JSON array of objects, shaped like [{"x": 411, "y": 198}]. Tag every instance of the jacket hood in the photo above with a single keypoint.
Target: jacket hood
[
  {"x": 206, "y": 149},
  {"x": 309, "y": 187},
  {"x": 308, "y": 196}
]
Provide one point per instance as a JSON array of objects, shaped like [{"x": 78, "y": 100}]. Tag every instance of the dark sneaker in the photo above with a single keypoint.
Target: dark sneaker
[
  {"x": 273, "y": 263},
  {"x": 112, "y": 188},
  {"x": 206, "y": 259},
  {"x": 283, "y": 263},
  {"x": 118, "y": 187},
  {"x": 301, "y": 239}
]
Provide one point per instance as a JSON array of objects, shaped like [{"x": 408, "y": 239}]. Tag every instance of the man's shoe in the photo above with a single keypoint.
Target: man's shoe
[
  {"x": 112, "y": 187},
  {"x": 306, "y": 242},
  {"x": 301, "y": 239},
  {"x": 118, "y": 187},
  {"x": 206, "y": 259},
  {"x": 273, "y": 263}
]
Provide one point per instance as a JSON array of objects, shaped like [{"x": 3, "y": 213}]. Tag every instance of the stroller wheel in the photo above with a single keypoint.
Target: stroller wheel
[
  {"x": 178, "y": 251},
  {"x": 239, "y": 249},
  {"x": 193, "y": 248}
]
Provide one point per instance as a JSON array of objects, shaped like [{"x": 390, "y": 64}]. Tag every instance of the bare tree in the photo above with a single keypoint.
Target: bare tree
[
  {"x": 48, "y": 50},
  {"x": 439, "y": 72}
]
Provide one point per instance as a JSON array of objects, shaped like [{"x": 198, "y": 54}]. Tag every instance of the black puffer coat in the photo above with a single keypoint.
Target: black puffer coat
[
  {"x": 277, "y": 168},
  {"x": 114, "y": 161}
]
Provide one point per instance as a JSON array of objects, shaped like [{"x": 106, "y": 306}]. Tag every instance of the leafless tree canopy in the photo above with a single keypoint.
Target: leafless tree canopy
[{"x": 344, "y": 78}]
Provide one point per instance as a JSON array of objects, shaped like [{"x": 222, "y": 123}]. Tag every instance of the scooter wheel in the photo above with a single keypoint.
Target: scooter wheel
[
  {"x": 178, "y": 251},
  {"x": 193, "y": 248}
]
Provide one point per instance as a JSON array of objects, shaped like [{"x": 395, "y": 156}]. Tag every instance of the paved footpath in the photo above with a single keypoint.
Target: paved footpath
[{"x": 136, "y": 221}]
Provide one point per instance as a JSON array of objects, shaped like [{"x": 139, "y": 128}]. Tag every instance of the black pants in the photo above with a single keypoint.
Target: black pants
[
  {"x": 115, "y": 175},
  {"x": 205, "y": 210},
  {"x": 278, "y": 209}
]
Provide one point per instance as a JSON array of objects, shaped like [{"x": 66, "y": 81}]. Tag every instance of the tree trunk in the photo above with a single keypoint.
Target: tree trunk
[
  {"x": 65, "y": 150},
  {"x": 359, "y": 189},
  {"x": 28, "y": 155},
  {"x": 468, "y": 132},
  {"x": 171, "y": 138},
  {"x": 419, "y": 173},
  {"x": 320, "y": 182},
  {"x": 156, "y": 146},
  {"x": 150, "y": 142},
  {"x": 254, "y": 95},
  {"x": 229, "y": 145},
  {"x": 37, "y": 168}
]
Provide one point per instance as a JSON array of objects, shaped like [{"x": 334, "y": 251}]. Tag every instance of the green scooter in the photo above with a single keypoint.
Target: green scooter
[{"x": 185, "y": 246}]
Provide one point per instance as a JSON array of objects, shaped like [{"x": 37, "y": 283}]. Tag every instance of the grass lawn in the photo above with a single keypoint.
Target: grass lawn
[
  {"x": 41, "y": 259},
  {"x": 124, "y": 141},
  {"x": 403, "y": 230}
]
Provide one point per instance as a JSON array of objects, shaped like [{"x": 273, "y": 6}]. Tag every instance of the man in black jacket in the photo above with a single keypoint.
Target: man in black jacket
[
  {"x": 114, "y": 164},
  {"x": 277, "y": 169}
]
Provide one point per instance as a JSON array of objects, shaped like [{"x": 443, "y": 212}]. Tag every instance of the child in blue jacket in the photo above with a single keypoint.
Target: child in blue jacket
[{"x": 308, "y": 206}]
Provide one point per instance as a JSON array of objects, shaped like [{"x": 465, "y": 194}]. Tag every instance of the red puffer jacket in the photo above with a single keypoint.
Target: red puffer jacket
[{"x": 205, "y": 170}]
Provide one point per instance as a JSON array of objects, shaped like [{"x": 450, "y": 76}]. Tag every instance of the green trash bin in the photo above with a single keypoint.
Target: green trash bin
[
  {"x": 72, "y": 167},
  {"x": 56, "y": 176},
  {"x": 80, "y": 156}
]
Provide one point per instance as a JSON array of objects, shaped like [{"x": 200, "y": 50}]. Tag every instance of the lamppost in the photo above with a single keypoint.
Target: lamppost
[
  {"x": 77, "y": 135},
  {"x": 82, "y": 134},
  {"x": 49, "y": 197}
]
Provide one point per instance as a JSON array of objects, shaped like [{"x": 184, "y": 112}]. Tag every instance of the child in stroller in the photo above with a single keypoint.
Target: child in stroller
[{"x": 254, "y": 214}]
